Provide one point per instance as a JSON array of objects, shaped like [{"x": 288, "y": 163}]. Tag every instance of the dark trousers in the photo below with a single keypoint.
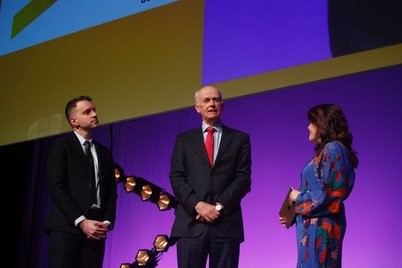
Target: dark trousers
[
  {"x": 193, "y": 252},
  {"x": 74, "y": 251}
]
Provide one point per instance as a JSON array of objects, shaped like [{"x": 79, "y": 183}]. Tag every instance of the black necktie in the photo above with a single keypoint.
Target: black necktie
[{"x": 91, "y": 166}]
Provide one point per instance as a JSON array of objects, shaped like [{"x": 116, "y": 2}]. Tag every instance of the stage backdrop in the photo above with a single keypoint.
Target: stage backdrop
[
  {"x": 138, "y": 58},
  {"x": 142, "y": 63},
  {"x": 277, "y": 123}
]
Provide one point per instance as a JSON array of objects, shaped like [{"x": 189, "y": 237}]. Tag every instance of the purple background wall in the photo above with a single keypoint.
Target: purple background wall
[{"x": 276, "y": 121}]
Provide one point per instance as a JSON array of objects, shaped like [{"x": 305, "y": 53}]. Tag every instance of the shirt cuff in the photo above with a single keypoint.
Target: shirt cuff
[{"x": 78, "y": 220}]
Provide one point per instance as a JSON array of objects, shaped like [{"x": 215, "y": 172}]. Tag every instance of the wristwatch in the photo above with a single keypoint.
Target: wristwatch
[{"x": 218, "y": 207}]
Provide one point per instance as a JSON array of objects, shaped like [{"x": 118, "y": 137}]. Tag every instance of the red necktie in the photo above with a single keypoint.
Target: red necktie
[{"x": 209, "y": 145}]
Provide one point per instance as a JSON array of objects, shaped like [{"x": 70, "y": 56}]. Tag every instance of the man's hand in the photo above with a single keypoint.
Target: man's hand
[
  {"x": 206, "y": 212},
  {"x": 94, "y": 229}
]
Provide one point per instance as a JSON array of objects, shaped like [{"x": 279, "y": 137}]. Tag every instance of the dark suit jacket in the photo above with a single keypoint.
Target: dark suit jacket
[
  {"x": 70, "y": 184},
  {"x": 193, "y": 180}
]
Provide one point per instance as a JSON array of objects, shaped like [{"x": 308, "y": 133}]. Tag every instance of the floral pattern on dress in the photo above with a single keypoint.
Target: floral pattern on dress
[{"x": 326, "y": 182}]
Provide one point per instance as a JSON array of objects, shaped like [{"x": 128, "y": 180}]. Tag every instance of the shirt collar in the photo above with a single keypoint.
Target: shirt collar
[
  {"x": 82, "y": 139},
  {"x": 217, "y": 127}
]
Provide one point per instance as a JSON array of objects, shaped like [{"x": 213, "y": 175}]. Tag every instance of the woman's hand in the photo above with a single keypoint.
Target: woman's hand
[
  {"x": 282, "y": 221},
  {"x": 293, "y": 195}
]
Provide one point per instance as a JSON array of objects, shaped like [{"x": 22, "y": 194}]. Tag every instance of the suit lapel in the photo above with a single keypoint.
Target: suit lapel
[
  {"x": 225, "y": 141},
  {"x": 199, "y": 143},
  {"x": 76, "y": 145},
  {"x": 198, "y": 137}
]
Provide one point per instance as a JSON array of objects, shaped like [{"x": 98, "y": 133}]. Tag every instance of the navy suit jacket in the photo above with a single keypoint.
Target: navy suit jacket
[
  {"x": 70, "y": 182},
  {"x": 227, "y": 182}
]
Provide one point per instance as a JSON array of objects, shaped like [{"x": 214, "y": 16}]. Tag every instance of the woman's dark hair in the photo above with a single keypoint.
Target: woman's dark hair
[{"x": 332, "y": 126}]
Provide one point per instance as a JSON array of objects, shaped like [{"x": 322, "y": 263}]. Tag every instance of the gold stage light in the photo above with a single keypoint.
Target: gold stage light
[
  {"x": 117, "y": 173},
  {"x": 163, "y": 201},
  {"x": 130, "y": 184},
  {"x": 161, "y": 243},
  {"x": 146, "y": 192},
  {"x": 142, "y": 257}
]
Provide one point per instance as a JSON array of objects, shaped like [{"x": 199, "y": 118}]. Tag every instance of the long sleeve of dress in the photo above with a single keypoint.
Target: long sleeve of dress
[{"x": 333, "y": 180}]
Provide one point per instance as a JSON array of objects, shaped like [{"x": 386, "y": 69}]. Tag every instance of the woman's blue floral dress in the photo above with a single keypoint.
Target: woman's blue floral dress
[{"x": 326, "y": 181}]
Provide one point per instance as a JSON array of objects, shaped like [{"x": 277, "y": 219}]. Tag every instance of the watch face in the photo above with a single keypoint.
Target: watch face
[{"x": 218, "y": 207}]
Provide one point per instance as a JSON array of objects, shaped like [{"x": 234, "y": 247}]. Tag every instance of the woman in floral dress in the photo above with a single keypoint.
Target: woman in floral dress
[{"x": 326, "y": 182}]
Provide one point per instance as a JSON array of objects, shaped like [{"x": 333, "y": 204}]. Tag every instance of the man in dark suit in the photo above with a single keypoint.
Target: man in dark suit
[
  {"x": 208, "y": 220},
  {"x": 83, "y": 191}
]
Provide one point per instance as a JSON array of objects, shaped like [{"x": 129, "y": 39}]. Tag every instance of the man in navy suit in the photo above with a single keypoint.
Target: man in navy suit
[
  {"x": 208, "y": 220},
  {"x": 83, "y": 193}
]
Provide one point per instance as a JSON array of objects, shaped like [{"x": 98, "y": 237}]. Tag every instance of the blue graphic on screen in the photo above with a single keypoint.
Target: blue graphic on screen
[
  {"x": 27, "y": 23},
  {"x": 243, "y": 38}
]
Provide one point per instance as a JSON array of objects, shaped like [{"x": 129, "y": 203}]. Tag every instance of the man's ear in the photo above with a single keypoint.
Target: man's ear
[
  {"x": 73, "y": 121},
  {"x": 197, "y": 108}
]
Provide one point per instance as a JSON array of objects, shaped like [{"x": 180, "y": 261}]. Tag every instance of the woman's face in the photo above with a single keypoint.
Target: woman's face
[{"x": 313, "y": 137}]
